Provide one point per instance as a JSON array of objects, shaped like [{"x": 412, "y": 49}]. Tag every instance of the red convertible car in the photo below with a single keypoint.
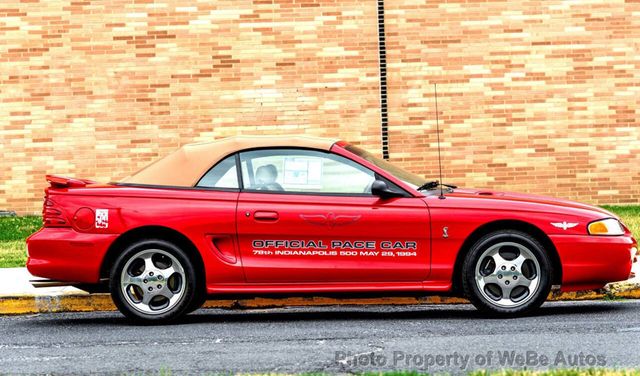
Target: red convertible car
[{"x": 301, "y": 215}]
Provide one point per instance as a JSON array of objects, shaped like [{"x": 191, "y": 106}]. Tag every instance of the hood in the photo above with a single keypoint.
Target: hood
[{"x": 526, "y": 198}]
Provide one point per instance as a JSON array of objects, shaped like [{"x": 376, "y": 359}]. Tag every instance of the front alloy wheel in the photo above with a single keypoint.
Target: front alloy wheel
[
  {"x": 507, "y": 272},
  {"x": 153, "y": 281}
]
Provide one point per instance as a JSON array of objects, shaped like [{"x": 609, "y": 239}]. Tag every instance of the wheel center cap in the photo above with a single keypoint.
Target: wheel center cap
[
  {"x": 154, "y": 278},
  {"x": 508, "y": 273}
]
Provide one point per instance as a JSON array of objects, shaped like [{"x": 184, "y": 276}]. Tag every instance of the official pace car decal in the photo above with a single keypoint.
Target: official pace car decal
[
  {"x": 347, "y": 248},
  {"x": 102, "y": 218}
]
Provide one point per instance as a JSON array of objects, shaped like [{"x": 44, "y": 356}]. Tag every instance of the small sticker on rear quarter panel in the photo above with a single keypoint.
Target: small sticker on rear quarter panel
[{"x": 102, "y": 218}]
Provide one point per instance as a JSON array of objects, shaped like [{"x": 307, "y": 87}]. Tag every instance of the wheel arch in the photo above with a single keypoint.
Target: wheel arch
[
  {"x": 154, "y": 232},
  {"x": 506, "y": 224}
]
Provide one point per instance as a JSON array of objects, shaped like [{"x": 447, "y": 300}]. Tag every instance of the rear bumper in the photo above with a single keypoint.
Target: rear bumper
[
  {"x": 590, "y": 262},
  {"x": 63, "y": 254}
]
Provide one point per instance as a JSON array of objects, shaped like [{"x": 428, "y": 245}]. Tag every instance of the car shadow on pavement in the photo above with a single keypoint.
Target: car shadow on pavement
[
  {"x": 344, "y": 313},
  {"x": 459, "y": 312}
]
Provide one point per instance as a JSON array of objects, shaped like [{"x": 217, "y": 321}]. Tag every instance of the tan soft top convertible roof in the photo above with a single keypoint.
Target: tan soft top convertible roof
[{"x": 185, "y": 166}]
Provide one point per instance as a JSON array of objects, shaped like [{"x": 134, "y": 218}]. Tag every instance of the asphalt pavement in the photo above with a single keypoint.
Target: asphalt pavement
[{"x": 431, "y": 338}]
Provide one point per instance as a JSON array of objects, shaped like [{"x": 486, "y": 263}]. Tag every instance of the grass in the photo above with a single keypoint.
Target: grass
[
  {"x": 506, "y": 372},
  {"x": 630, "y": 216},
  {"x": 18, "y": 228},
  {"x": 14, "y": 231},
  {"x": 559, "y": 372},
  {"x": 13, "y": 254},
  {"x": 511, "y": 372}
]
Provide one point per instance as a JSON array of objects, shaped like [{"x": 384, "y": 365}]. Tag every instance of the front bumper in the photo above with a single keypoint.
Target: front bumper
[
  {"x": 590, "y": 262},
  {"x": 63, "y": 254}
]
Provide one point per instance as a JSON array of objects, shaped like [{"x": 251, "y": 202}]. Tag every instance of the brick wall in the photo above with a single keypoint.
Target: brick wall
[{"x": 536, "y": 96}]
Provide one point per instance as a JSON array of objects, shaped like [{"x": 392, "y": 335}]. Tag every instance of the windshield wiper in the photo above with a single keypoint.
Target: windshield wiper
[
  {"x": 435, "y": 184},
  {"x": 429, "y": 185}
]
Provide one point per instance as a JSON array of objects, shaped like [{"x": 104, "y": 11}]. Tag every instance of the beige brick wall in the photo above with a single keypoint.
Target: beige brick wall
[{"x": 536, "y": 96}]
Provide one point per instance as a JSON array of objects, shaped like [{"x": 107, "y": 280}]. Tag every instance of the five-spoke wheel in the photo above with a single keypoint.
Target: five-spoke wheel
[
  {"x": 507, "y": 272},
  {"x": 153, "y": 281}
]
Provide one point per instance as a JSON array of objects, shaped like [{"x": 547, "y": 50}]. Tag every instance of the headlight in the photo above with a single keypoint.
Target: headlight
[{"x": 607, "y": 226}]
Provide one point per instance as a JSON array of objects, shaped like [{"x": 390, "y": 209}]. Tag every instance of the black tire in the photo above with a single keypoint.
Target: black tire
[
  {"x": 168, "y": 253},
  {"x": 198, "y": 301},
  {"x": 492, "y": 300}
]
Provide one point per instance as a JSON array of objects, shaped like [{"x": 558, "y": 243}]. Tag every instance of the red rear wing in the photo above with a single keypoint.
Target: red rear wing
[
  {"x": 53, "y": 214},
  {"x": 65, "y": 182}
]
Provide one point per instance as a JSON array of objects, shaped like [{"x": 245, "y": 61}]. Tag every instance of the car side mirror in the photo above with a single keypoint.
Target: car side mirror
[{"x": 381, "y": 189}]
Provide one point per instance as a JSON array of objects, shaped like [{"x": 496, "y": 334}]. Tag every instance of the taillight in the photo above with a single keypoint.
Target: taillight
[{"x": 52, "y": 216}]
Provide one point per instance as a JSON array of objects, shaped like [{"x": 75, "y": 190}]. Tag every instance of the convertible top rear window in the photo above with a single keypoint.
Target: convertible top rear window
[{"x": 222, "y": 175}]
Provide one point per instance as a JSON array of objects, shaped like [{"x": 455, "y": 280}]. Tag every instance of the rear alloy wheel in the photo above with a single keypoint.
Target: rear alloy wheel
[
  {"x": 153, "y": 281},
  {"x": 507, "y": 272}
]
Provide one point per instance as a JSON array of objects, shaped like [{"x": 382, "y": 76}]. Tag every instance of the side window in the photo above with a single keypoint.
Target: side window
[
  {"x": 303, "y": 171},
  {"x": 222, "y": 175}
]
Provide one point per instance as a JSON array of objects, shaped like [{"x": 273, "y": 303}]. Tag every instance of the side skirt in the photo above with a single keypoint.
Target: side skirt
[{"x": 323, "y": 288}]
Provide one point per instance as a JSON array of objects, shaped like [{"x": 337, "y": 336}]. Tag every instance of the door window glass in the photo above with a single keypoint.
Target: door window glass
[{"x": 303, "y": 171}]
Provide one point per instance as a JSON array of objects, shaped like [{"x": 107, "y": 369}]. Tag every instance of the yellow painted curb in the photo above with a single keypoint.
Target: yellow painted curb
[
  {"x": 576, "y": 295},
  {"x": 15, "y": 305}
]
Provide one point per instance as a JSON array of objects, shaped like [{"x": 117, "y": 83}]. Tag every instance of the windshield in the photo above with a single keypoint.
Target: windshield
[{"x": 411, "y": 179}]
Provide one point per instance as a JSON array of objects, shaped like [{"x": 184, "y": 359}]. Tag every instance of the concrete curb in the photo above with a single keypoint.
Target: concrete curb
[{"x": 78, "y": 302}]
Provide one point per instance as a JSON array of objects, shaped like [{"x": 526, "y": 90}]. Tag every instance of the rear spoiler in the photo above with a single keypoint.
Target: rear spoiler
[{"x": 65, "y": 182}]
